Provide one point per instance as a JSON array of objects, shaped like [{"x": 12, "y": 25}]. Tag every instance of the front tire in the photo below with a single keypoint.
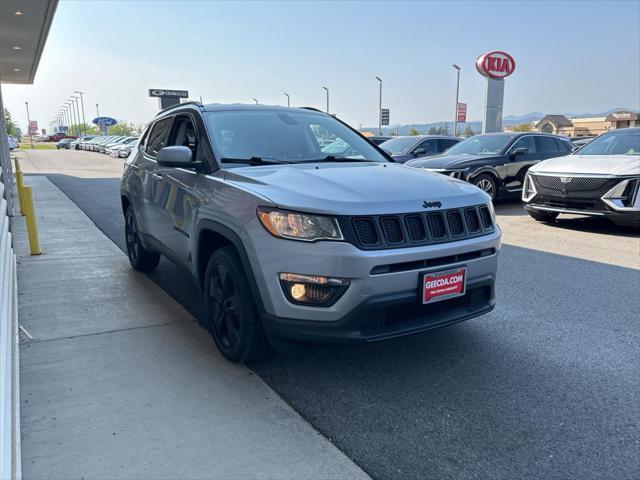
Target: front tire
[
  {"x": 487, "y": 183},
  {"x": 546, "y": 217},
  {"x": 140, "y": 258},
  {"x": 232, "y": 317}
]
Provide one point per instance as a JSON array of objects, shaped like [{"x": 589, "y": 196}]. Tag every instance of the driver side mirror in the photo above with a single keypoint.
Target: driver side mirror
[
  {"x": 176, "y": 156},
  {"x": 519, "y": 151},
  {"x": 574, "y": 148}
]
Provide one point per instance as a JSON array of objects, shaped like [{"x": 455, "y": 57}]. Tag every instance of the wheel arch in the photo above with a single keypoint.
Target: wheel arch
[{"x": 210, "y": 236}]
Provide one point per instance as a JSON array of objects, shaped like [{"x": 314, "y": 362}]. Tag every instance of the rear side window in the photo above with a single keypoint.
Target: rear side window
[
  {"x": 563, "y": 145},
  {"x": 158, "y": 136},
  {"x": 547, "y": 145},
  {"x": 445, "y": 143}
]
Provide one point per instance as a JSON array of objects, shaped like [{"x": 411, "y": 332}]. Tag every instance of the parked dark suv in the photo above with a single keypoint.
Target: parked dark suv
[
  {"x": 289, "y": 242},
  {"x": 496, "y": 162},
  {"x": 408, "y": 147}
]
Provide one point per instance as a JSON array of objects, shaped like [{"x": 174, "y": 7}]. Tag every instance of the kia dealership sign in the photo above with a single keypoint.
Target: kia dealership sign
[
  {"x": 495, "y": 67},
  {"x": 495, "y": 64}
]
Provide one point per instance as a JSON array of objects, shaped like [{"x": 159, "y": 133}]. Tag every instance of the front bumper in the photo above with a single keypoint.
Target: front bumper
[
  {"x": 390, "y": 297},
  {"x": 388, "y": 316}
]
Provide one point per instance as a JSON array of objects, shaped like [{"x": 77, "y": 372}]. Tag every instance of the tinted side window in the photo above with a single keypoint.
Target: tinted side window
[
  {"x": 526, "y": 142},
  {"x": 158, "y": 136},
  {"x": 445, "y": 143},
  {"x": 429, "y": 146},
  {"x": 563, "y": 146},
  {"x": 546, "y": 145}
]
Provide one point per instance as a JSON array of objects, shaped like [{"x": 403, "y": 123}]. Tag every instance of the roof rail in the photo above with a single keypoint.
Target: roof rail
[{"x": 191, "y": 102}]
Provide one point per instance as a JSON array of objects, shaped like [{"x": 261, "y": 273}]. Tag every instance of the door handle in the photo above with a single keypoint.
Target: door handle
[{"x": 157, "y": 176}]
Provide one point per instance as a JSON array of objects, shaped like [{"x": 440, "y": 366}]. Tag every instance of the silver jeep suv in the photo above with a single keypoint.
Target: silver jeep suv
[{"x": 298, "y": 228}]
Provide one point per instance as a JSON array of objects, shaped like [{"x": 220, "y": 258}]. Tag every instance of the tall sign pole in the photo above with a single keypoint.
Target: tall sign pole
[
  {"x": 455, "y": 118},
  {"x": 495, "y": 67},
  {"x": 380, "y": 107}
]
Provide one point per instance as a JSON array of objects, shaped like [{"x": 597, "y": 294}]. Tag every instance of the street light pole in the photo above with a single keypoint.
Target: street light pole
[
  {"x": 29, "y": 125},
  {"x": 97, "y": 111},
  {"x": 65, "y": 111},
  {"x": 255, "y": 100},
  {"x": 455, "y": 118},
  {"x": 288, "y": 99},
  {"x": 73, "y": 114},
  {"x": 84, "y": 121},
  {"x": 72, "y": 117},
  {"x": 327, "y": 90},
  {"x": 380, "y": 108},
  {"x": 74, "y": 99}
]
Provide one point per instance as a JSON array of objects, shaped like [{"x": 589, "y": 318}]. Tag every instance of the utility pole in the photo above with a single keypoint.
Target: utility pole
[
  {"x": 29, "y": 124},
  {"x": 327, "y": 90},
  {"x": 84, "y": 121},
  {"x": 97, "y": 111},
  {"x": 455, "y": 118},
  {"x": 380, "y": 108},
  {"x": 288, "y": 99}
]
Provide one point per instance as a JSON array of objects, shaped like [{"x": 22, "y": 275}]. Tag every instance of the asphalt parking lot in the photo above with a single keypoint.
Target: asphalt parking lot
[{"x": 546, "y": 386}]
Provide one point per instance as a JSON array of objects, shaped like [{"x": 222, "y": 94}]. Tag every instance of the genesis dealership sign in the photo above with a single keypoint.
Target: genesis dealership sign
[
  {"x": 168, "y": 97},
  {"x": 495, "y": 67}
]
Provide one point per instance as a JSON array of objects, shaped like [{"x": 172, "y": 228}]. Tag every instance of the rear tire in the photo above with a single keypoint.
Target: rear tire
[
  {"x": 487, "y": 183},
  {"x": 231, "y": 313},
  {"x": 546, "y": 217},
  {"x": 140, "y": 258}
]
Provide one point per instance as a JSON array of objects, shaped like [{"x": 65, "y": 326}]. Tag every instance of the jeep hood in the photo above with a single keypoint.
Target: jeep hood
[
  {"x": 591, "y": 164},
  {"x": 447, "y": 161},
  {"x": 353, "y": 188}
]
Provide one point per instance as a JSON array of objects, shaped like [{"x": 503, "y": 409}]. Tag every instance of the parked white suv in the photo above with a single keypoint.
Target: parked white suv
[{"x": 601, "y": 179}]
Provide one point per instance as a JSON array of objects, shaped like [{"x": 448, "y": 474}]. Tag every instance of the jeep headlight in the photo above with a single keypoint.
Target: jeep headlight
[{"x": 299, "y": 226}]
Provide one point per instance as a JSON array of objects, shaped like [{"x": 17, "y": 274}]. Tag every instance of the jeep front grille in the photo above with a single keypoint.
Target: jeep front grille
[{"x": 414, "y": 229}]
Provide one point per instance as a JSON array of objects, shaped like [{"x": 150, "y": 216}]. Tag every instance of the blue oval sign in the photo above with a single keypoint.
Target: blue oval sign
[{"x": 105, "y": 121}]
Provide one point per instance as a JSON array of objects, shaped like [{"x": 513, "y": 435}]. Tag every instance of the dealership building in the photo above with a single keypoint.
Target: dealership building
[{"x": 587, "y": 126}]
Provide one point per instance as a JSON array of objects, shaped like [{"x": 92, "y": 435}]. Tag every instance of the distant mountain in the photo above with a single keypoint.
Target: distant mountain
[
  {"x": 476, "y": 126},
  {"x": 535, "y": 116}
]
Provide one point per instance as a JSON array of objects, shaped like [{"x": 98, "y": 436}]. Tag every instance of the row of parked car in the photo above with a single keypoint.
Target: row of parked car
[{"x": 115, "y": 145}]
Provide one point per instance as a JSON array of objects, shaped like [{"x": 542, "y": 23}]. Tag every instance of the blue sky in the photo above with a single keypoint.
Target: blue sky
[{"x": 581, "y": 56}]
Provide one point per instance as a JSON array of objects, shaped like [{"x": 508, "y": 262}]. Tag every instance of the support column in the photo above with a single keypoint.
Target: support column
[{"x": 494, "y": 98}]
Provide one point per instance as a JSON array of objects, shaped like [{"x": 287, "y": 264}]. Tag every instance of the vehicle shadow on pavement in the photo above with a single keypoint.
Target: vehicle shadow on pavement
[{"x": 545, "y": 386}]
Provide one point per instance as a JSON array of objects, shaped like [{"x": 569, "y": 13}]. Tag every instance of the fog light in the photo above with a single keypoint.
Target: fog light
[
  {"x": 312, "y": 290},
  {"x": 298, "y": 291}
]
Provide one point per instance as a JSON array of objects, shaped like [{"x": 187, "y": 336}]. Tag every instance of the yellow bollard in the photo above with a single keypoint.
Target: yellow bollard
[
  {"x": 32, "y": 225},
  {"x": 20, "y": 183}
]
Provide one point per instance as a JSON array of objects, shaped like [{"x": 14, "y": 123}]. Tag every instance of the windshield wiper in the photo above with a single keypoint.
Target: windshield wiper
[{"x": 253, "y": 161}]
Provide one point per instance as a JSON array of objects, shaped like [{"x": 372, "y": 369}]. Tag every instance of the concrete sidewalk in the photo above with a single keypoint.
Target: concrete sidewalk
[{"x": 120, "y": 382}]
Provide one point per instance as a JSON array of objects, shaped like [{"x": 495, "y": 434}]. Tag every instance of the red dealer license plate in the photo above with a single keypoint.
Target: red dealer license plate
[{"x": 437, "y": 286}]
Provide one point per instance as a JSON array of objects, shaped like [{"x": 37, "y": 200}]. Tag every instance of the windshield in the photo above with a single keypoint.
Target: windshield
[
  {"x": 292, "y": 136},
  {"x": 399, "y": 144},
  {"x": 481, "y": 145},
  {"x": 617, "y": 142}
]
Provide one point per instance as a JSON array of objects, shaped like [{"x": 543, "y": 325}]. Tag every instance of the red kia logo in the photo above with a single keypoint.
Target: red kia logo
[{"x": 496, "y": 64}]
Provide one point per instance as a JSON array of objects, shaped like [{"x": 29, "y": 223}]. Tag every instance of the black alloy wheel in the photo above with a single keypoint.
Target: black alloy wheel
[
  {"x": 232, "y": 316},
  {"x": 140, "y": 258}
]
